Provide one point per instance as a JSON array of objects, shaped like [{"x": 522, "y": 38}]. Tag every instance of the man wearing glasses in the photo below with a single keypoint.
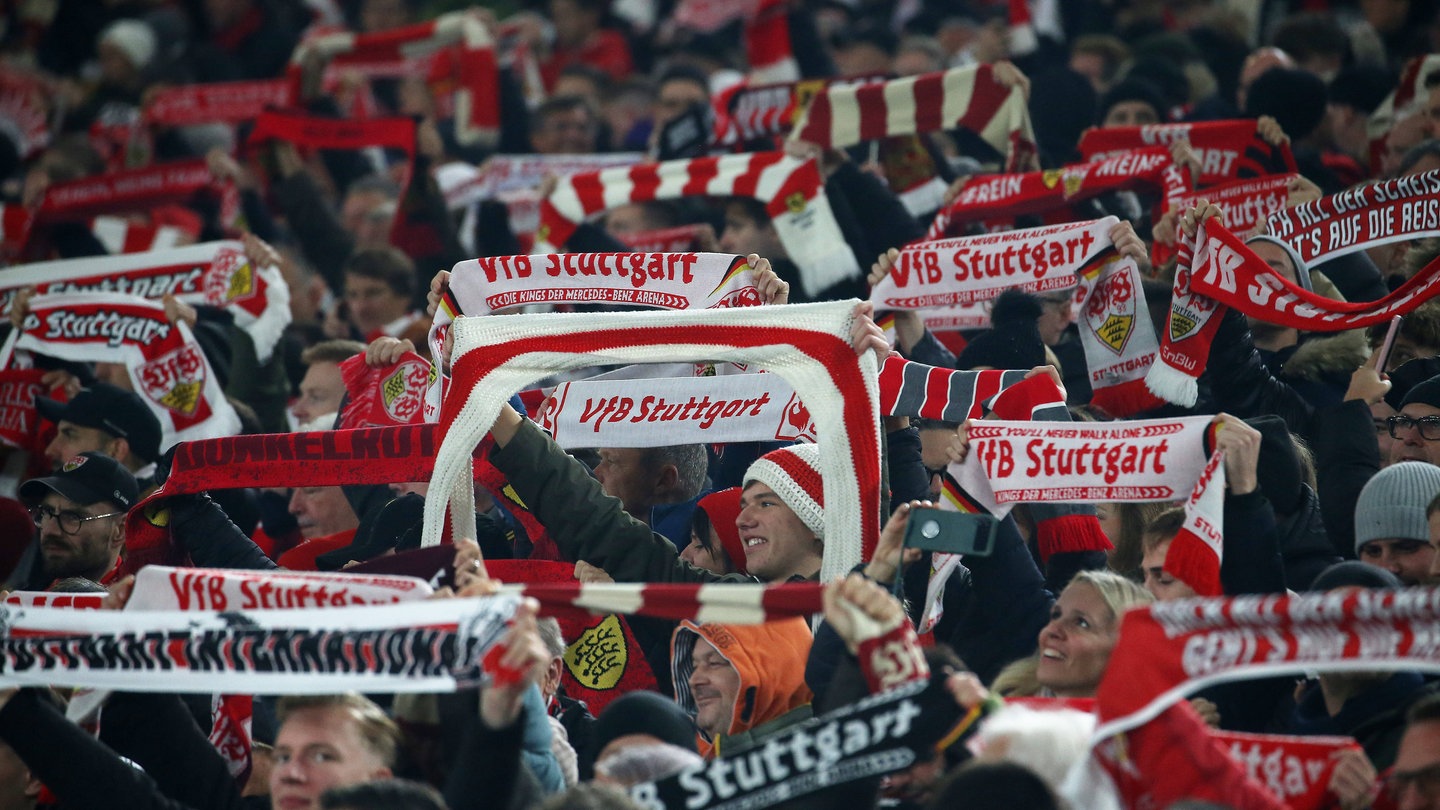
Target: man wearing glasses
[
  {"x": 79, "y": 513},
  {"x": 1416, "y": 429},
  {"x": 1414, "y": 783}
]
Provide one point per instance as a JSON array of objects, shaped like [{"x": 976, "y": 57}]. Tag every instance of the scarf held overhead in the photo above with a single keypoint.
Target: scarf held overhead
[
  {"x": 1117, "y": 336},
  {"x": 976, "y": 268},
  {"x": 1397, "y": 210},
  {"x": 790, "y": 189},
  {"x": 166, "y": 366},
  {"x": 806, "y": 344},
  {"x": 1244, "y": 204},
  {"x": 968, "y": 98},
  {"x": 1227, "y": 150},
  {"x": 216, "y": 274}
]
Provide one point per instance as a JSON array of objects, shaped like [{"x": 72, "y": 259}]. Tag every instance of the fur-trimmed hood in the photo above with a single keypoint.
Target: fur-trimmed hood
[{"x": 1327, "y": 356}]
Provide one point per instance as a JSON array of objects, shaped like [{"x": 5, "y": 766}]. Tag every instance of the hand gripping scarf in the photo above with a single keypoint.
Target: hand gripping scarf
[
  {"x": 1245, "y": 205},
  {"x": 792, "y": 191},
  {"x": 167, "y": 367},
  {"x": 965, "y": 98},
  {"x": 216, "y": 274},
  {"x": 1006, "y": 196},
  {"x": 466, "y": 61},
  {"x": 1228, "y": 150},
  {"x": 1360, "y": 218},
  {"x": 806, "y": 344},
  {"x": 1224, "y": 272}
]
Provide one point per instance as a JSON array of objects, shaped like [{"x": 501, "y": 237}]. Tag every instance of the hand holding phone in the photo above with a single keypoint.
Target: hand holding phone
[{"x": 951, "y": 532}]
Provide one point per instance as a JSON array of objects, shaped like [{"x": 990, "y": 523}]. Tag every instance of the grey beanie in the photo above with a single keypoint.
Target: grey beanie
[
  {"x": 1392, "y": 504},
  {"x": 1302, "y": 270}
]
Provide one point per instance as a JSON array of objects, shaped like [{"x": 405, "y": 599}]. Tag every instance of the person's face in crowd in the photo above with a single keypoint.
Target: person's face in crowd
[
  {"x": 573, "y": 21},
  {"x": 319, "y": 748},
  {"x": 371, "y": 303},
  {"x": 709, "y": 555},
  {"x": 1409, "y": 444},
  {"x": 915, "y": 62},
  {"x": 1056, "y": 314},
  {"x": 628, "y": 219},
  {"x": 625, "y": 473},
  {"x": 1406, "y": 349},
  {"x": 1379, "y": 412},
  {"x": 322, "y": 511},
  {"x": 1406, "y": 558},
  {"x": 368, "y": 215},
  {"x": 90, "y": 552},
  {"x": 1405, "y": 134},
  {"x": 1347, "y": 130},
  {"x": 934, "y": 444},
  {"x": 714, "y": 684},
  {"x": 71, "y": 440},
  {"x": 321, "y": 390},
  {"x": 862, "y": 59},
  {"x": 1427, "y": 163},
  {"x": 1075, "y": 646},
  {"x": 1131, "y": 114},
  {"x": 115, "y": 66},
  {"x": 744, "y": 235},
  {"x": 1416, "y": 775},
  {"x": 675, "y": 97},
  {"x": 578, "y": 84},
  {"x": 1108, "y": 515},
  {"x": 778, "y": 545},
  {"x": 1158, "y": 582},
  {"x": 382, "y": 15},
  {"x": 565, "y": 132}
]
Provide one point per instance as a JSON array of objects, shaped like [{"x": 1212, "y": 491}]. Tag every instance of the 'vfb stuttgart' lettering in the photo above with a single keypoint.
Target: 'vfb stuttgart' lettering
[
  {"x": 1033, "y": 259},
  {"x": 640, "y": 268},
  {"x": 1108, "y": 459},
  {"x": 114, "y": 327},
  {"x": 658, "y": 409}
]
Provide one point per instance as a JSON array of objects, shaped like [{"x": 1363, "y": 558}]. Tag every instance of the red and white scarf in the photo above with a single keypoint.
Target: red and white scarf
[
  {"x": 25, "y": 107},
  {"x": 1117, "y": 336},
  {"x": 216, "y": 274},
  {"x": 1227, "y": 150},
  {"x": 966, "y": 98},
  {"x": 1226, "y": 273},
  {"x": 1169, "y": 650},
  {"x": 1367, "y": 216},
  {"x": 792, "y": 191},
  {"x": 752, "y": 111},
  {"x": 185, "y": 105},
  {"x": 130, "y": 190},
  {"x": 768, "y": 49},
  {"x": 19, "y": 419},
  {"x": 679, "y": 239},
  {"x": 464, "y": 59},
  {"x": 977, "y": 268},
  {"x": 806, "y": 344},
  {"x": 386, "y": 396},
  {"x": 1082, "y": 462},
  {"x": 1296, "y": 769},
  {"x": 160, "y": 587},
  {"x": 1198, "y": 548},
  {"x": 1244, "y": 204},
  {"x": 167, "y": 367},
  {"x": 1003, "y": 197},
  {"x": 125, "y": 235}
]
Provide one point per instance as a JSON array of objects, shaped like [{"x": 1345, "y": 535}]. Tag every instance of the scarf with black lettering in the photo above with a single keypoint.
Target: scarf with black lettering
[
  {"x": 216, "y": 274},
  {"x": 806, "y": 344},
  {"x": 1227, "y": 150},
  {"x": 167, "y": 367},
  {"x": 1224, "y": 272},
  {"x": 791, "y": 190},
  {"x": 960, "y": 98},
  {"x": 462, "y": 69},
  {"x": 1002, "y": 197},
  {"x": 185, "y": 105},
  {"x": 1397, "y": 210}
]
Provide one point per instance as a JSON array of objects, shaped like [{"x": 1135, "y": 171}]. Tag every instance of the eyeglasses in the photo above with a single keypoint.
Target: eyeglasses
[
  {"x": 1429, "y": 426},
  {"x": 1425, "y": 780},
  {"x": 68, "y": 520}
]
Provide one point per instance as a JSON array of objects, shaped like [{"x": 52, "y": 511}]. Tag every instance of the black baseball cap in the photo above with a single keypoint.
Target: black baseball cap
[
  {"x": 122, "y": 414},
  {"x": 86, "y": 479}
]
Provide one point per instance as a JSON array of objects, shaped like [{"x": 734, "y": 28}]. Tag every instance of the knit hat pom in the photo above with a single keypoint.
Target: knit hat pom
[{"x": 793, "y": 473}]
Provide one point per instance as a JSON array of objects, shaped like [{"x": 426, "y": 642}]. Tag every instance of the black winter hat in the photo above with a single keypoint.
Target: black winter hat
[
  {"x": 1295, "y": 98},
  {"x": 1013, "y": 341},
  {"x": 643, "y": 713}
]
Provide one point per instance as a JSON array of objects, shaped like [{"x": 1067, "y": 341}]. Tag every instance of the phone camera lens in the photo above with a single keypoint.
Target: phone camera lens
[{"x": 930, "y": 529}]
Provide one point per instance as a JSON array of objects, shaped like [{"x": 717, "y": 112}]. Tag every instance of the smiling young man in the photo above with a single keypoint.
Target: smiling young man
[{"x": 80, "y": 516}]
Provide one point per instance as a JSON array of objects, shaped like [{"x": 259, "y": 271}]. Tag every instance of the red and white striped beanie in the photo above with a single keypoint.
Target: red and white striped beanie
[{"x": 793, "y": 473}]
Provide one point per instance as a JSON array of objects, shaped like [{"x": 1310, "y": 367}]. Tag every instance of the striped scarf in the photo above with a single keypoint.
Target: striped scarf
[
  {"x": 806, "y": 344},
  {"x": 791, "y": 189},
  {"x": 965, "y": 98}
]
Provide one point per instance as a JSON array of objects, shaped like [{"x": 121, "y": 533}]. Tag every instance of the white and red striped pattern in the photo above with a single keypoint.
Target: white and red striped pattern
[
  {"x": 969, "y": 98},
  {"x": 124, "y": 235},
  {"x": 727, "y": 603},
  {"x": 791, "y": 189},
  {"x": 767, "y": 43},
  {"x": 807, "y": 344},
  {"x": 463, "y": 54}
]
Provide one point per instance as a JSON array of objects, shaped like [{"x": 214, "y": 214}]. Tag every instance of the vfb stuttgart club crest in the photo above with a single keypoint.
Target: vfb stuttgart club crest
[
  {"x": 231, "y": 278},
  {"x": 403, "y": 392},
  {"x": 1110, "y": 313},
  {"x": 175, "y": 380},
  {"x": 795, "y": 422}
]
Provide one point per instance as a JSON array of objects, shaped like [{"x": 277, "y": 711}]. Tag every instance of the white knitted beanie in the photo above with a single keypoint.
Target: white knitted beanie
[
  {"x": 793, "y": 473},
  {"x": 133, "y": 37}
]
